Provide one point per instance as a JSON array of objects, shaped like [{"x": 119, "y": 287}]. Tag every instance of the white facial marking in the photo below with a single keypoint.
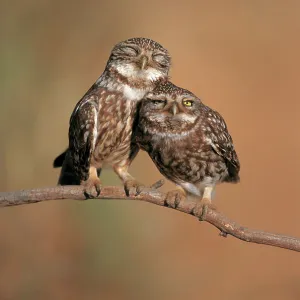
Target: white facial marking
[
  {"x": 130, "y": 71},
  {"x": 179, "y": 117},
  {"x": 186, "y": 118}
]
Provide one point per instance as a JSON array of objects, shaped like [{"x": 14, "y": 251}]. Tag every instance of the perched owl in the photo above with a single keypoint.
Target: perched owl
[
  {"x": 100, "y": 131},
  {"x": 188, "y": 142}
]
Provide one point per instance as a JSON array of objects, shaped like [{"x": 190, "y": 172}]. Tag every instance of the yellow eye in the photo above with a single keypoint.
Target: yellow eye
[{"x": 188, "y": 103}]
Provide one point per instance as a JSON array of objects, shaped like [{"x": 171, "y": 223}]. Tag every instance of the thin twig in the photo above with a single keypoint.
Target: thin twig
[{"x": 210, "y": 215}]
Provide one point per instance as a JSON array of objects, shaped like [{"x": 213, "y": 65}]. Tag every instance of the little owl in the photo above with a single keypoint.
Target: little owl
[
  {"x": 188, "y": 142},
  {"x": 100, "y": 131}
]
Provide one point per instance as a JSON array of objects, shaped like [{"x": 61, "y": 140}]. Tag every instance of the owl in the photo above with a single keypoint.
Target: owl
[
  {"x": 188, "y": 142},
  {"x": 100, "y": 131}
]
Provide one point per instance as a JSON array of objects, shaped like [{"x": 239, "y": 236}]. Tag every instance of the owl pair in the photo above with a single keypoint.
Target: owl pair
[{"x": 188, "y": 141}]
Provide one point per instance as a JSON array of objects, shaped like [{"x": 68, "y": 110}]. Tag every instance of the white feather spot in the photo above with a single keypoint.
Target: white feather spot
[
  {"x": 85, "y": 137},
  {"x": 95, "y": 132}
]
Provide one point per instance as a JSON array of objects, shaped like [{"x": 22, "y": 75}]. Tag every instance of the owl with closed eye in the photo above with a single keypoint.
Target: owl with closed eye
[
  {"x": 188, "y": 142},
  {"x": 101, "y": 125}
]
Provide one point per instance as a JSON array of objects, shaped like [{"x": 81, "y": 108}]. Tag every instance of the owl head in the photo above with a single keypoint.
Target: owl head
[
  {"x": 169, "y": 108},
  {"x": 141, "y": 60}
]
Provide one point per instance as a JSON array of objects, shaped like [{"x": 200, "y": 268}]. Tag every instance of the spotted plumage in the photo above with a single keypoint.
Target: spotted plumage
[
  {"x": 188, "y": 141},
  {"x": 100, "y": 131}
]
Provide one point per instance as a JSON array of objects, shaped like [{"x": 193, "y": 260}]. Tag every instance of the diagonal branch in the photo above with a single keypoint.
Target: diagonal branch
[{"x": 210, "y": 215}]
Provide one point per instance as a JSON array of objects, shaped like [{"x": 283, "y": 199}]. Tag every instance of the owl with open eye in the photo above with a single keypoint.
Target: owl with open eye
[
  {"x": 100, "y": 131},
  {"x": 188, "y": 142}
]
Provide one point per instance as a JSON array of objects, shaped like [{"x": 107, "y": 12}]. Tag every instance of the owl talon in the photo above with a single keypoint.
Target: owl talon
[
  {"x": 201, "y": 208},
  {"x": 139, "y": 189},
  {"x": 133, "y": 187},
  {"x": 91, "y": 186},
  {"x": 174, "y": 197}
]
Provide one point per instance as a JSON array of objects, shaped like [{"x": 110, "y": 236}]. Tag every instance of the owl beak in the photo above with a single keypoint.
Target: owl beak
[
  {"x": 174, "y": 109},
  {"x": 144, "y": 62}
]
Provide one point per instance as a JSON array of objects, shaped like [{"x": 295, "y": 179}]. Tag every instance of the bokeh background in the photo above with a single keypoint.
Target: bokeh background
[{"x": 242, "y": 58}]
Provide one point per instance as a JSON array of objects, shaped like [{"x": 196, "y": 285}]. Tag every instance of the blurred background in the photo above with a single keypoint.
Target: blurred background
[{"x": 242, "y": 59}]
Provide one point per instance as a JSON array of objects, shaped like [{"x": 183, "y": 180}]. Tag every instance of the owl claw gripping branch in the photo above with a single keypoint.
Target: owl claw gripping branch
[{"x": 100, "y": 131}]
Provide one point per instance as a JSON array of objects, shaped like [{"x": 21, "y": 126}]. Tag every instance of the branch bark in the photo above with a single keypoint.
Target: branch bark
[{"x": 212, "y": 216}]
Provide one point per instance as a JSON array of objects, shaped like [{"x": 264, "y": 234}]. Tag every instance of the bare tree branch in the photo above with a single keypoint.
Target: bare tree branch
[{"x": 210, "y": 215}]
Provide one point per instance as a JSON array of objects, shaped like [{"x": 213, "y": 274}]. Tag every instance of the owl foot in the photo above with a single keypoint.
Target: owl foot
[
  {"x": 133, "y": 187},
  {"x": 92, "y": 187},
  {"x": 174, "y": 197},
  {"x": 201, "y": 207}
]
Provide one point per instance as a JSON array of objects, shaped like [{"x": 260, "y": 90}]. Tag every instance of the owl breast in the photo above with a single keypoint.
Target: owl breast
[
  {"x": 187, "y": 159},
  {"x": 115, "y": 121}
]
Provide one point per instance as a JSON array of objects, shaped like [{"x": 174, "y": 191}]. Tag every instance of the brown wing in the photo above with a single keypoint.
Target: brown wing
[
  {"x": 221, "y": 141},
  {"x": 83, "y": 133},
  {"x": 59, "y": 160}
]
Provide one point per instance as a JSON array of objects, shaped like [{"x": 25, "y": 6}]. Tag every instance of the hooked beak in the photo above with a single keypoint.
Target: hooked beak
[
  {"x": 144, "y": 62},
  {"x": 174, "y": 109}
]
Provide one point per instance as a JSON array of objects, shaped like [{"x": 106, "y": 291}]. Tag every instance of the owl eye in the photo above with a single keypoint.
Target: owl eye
[
  {"x": 158, "y": 102},
  {"x": 188, "y": 103},
  {"x": 130, "y": 51},
  {"x": 160, "y": 59}
]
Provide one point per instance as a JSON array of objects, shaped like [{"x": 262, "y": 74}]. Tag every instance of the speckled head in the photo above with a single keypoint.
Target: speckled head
[
  {"x": 139, "y": 60},
  {"x": 168, "y": 89},
  {"x": 171, "y": 107},
  {"x": 146, "y": 44}
]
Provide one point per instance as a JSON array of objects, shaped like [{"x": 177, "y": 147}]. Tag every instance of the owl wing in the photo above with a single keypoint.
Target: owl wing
[
  {"x": 83, "y": 133},
  {"x": 221, "y": 142}
]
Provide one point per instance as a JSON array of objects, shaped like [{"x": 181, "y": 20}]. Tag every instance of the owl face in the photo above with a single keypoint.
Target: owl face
[
  {"x": 140, "y": 59},
  {"x": 170, "y": 109}
]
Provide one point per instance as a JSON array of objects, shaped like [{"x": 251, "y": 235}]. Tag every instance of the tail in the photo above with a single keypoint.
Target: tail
[
  {"x": 67, "y": 173},
  {"x": 59, "y": 160}
]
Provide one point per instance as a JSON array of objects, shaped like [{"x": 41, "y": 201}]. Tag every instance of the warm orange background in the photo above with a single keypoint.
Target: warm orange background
[{"x": 242, "y": 58}]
